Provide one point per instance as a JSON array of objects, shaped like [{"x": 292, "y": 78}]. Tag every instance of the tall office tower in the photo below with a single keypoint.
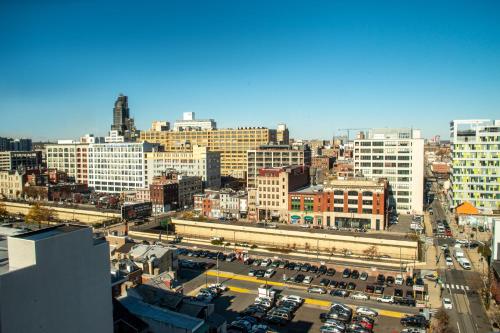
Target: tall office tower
[
  {"x": 9, "y": 144},
  {"x": 274, "y": 156},
  {"x": 398, "y": 156},
  {"x": 121, "y": 113},
  {"x": 475, "y": 152},
  {"x": 232, "y": 144},
  {"x": 122, "y": 121},
  {"x": 54, "y": 280}
]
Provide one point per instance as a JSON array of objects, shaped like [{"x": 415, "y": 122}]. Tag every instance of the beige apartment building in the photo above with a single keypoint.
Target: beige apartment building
[
  {"x": 273, "y": 186},
  {"x": 69, "y": 156},
  {"x": 232, "y": 144},
  {"x": 11, "y": 184},
  {"x": 200, "y": 162}
]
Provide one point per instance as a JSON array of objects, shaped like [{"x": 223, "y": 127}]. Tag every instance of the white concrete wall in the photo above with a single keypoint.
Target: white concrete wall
[{"x": 67, "y": 290}]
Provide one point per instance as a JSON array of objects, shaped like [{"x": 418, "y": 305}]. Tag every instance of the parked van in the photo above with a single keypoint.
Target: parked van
[{"x": 465, "y": 263}]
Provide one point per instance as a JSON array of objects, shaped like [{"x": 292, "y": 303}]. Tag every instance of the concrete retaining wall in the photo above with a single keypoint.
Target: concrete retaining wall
[
  {"x": 85, "y": 216},
  {"x": 405, "y": 249}
]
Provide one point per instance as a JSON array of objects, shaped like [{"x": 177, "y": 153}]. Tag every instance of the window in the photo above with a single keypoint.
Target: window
[
  {"x": 352, "y": 201},
  {"x": 338, "y": 209},
  {"x": 352, "y": 193},
  {"x": 337, "y": 192}
]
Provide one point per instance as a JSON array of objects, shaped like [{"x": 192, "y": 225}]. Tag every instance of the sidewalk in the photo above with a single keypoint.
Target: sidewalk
[{"x": 432, "y": 251}]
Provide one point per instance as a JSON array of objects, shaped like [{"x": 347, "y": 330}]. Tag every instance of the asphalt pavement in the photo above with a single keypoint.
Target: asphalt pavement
[{"x": 462, "y": 287}]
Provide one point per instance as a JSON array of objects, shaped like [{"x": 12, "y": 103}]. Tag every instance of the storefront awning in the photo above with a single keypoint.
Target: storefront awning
[
  {"x": 295, "y": 217},
  {"x": 308, "y": 218}
]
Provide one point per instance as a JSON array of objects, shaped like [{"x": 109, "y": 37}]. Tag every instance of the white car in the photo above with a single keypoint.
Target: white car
[
  {"x": 306, "y": 226},
  {"x": 269, "y": 273},
  {"x": 386, "y": 299},
  {"x": 447, "y": 304},
  {"x": 265, "y": 262},
  {"x": 366, "y": 311},
  {"x": 308, "y": 279},
  {"x": 360, "y": 296},
  {"x": 293, "y": 298},
  {"x": 462, "y": 241},
  {"x": 219, "y": 286},
  {"x": 399, "y": 280}
]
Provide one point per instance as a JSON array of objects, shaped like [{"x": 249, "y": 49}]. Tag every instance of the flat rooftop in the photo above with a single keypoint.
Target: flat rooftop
[{"x": 50, "y": 232}]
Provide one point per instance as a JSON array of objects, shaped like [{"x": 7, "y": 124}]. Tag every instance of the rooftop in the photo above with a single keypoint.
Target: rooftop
[
  {"x": 175, "y": 319},
  {"x": 143, "y": 252},
  {"x": 310, "y": 189},
  {"x": 50, "y": 232}
]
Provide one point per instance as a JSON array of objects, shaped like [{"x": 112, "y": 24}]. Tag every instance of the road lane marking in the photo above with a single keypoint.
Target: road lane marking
[
  {"x": 240, "y": 290},
  {"x": 244, "y": 278}
]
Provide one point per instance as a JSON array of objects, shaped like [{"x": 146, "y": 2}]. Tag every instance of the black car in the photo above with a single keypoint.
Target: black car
[
  {"x": 330, "y": 272},
  {"x": 339, "y": 293},
  {"x": 342, "y": 285},
  {"x": 324, "y": 282},
  {"x": 369, "y": 289},
  {"x": 398, "y": 293},
  {"x": 276, "y": 320},
  {"x": 314, "y": 269},
  {"x": 355, "y": 274},
  {"x": 415, "y": 321},
  {"x": 259, "y": 273},
  {"x": 333, "y": 284},
  {"x": 291, "y": 266},
  {"x": 322, "y": 269},
  {"x": 298, "y": 267},
  {"x": 405, "y": 301},
  {"x": 351, "y": 286},
  {"x": 409, "y": 281},
  {"x": 249, "y": 261},
  {"x": 299, "y": 278},
  {"x": 419, "y": 282},
  {"x": 305, "y": 267},
  {"x": 389, "y": 280},
  {"x": 380, "y": 279},
  {"x": 339, "y": 315},
  {"x": 346, "y": 273}
]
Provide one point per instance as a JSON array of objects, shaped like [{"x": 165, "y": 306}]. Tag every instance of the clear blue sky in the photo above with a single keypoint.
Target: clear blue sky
[{"x": 315, "y": 65}]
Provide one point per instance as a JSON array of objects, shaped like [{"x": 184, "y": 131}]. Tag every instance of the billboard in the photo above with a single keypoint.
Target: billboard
[{"x": 134, "y": 211}]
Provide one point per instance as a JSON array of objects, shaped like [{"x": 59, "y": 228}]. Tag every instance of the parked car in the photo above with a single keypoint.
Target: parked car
[
  {"x": 363, "y": 276},
  {"x": 316, "y": 290},
  {"x": 330, "y": 272},
  {"x": 346, "y": 273},
  {"x": 355, "y": 274},
  {"x": 324, "y": 282},
  {"x": 386, "y": 299},
  {"x": 366, "y": 311},
  {"x": 399, "y": 280},
  {"x": 415, "y": 321},
  {"x": 269, "y": 273},
  {"x": 360, "y": 296},
  {"x": 339, "y": 293},
  {"x": 308, "y": 279}
]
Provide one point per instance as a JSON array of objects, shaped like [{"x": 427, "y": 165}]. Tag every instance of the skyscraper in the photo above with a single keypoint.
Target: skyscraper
[
  {"x": 121, "y": 119},
  {"x": 121, "y": 114}
]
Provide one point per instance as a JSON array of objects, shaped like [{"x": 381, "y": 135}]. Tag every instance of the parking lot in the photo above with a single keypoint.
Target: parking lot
[
  {"x": 332, "y": 281},
  {"x": 243, "y": 290},
  {"x": 232, "y": 303}
]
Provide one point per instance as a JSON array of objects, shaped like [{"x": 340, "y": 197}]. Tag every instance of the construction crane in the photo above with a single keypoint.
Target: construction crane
[{"x": 348, "y": 130}]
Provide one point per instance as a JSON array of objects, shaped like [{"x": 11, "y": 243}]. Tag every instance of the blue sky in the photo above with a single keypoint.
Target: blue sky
[{"x": 316, "y": 65}]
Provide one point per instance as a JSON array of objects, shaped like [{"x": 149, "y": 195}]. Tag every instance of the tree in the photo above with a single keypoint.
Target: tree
[
  {"x": 3, "y": 210},
  {"x": 371, "y": 252},
  {"x": 39, "y": 214},
  {"x": 441, "y": 323}
]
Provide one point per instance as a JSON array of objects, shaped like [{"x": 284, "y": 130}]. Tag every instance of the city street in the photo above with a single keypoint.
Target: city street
[{"x": 462, "y": 287}]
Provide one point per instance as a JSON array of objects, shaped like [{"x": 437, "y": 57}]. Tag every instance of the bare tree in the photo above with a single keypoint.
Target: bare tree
[
  {"x": 371, "y": 252},
  {"x": 39, "y": 214},
  {"x": 441, "y": 323}
]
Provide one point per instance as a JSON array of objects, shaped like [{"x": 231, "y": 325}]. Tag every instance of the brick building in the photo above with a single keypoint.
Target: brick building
[
  {"x": 273, "y": 186},
  {"x": 341, "y": 204}
]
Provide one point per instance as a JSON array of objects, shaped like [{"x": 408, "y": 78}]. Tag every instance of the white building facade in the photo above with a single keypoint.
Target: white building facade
[
  {"x": 118, "y": 167},
  {"x": 200, "y": 162},
  {"x": 475, "y": 153},
  {"x": 189, "y": 123},
  {"x": 60, "y": 278},
  {"x": 398, "y": 156}
]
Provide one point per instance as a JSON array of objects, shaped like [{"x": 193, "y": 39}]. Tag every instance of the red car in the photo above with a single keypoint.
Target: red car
[{"x": 448, "y": 232}]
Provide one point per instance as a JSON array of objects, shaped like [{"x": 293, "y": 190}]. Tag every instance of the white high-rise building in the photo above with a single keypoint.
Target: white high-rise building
[
  {"x": 475, "y": 152},
  {"x": 398, "y": 156},
  {"x": 118, "y": 167},
  {"x": 57, "y": 280}
]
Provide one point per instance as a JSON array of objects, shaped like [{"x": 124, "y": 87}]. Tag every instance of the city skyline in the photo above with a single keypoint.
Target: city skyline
[{"x": 328, "y": 65}]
